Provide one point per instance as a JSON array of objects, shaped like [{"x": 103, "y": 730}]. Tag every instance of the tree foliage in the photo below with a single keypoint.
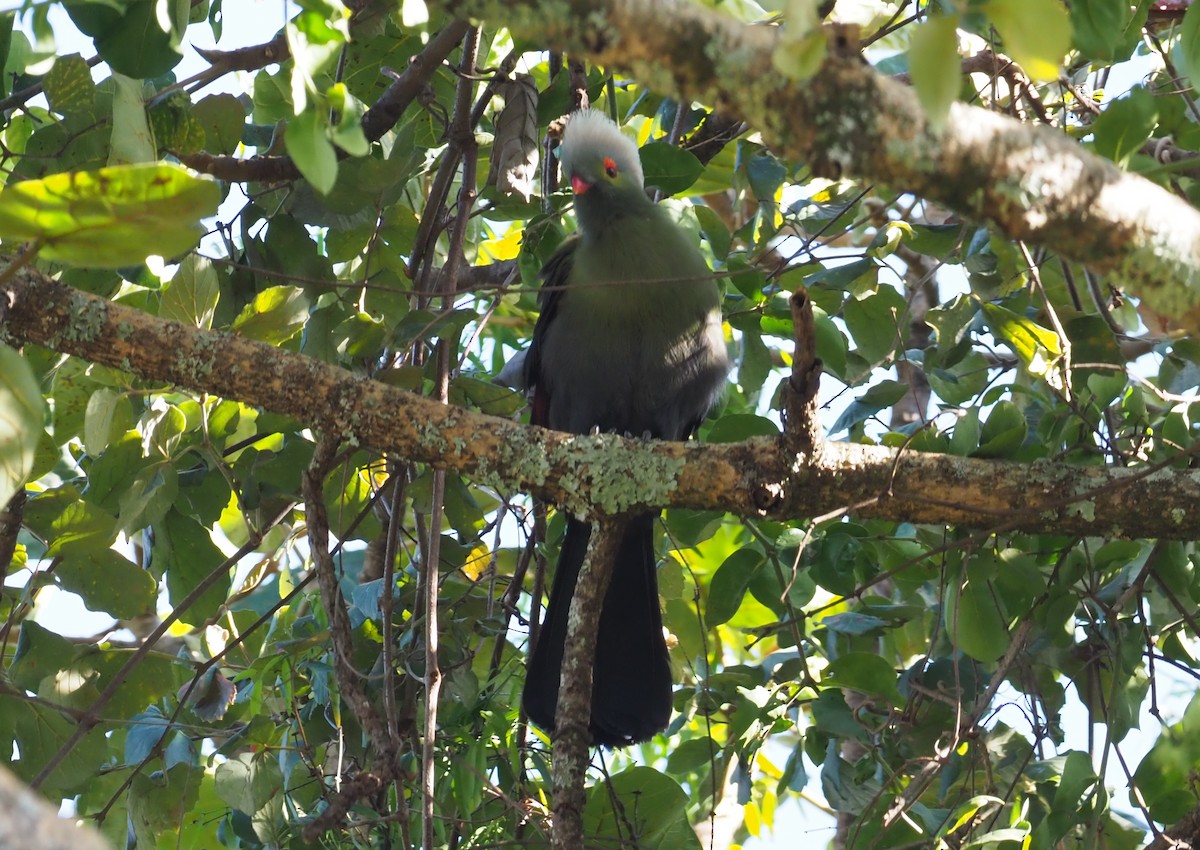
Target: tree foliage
[{"x": 314, "y": 641}]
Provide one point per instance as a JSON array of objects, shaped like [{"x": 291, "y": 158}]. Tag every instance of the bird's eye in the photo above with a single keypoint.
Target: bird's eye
[{"x": 610, "y": 167}]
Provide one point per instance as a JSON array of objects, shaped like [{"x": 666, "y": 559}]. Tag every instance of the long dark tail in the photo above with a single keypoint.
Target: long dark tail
[{"x": 631, "y": 679}]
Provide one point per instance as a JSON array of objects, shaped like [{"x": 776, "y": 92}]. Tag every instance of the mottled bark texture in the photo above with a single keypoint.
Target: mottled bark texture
[
  {"x": 1029, "y": 182},
  {"x": 606, "y": 474}
]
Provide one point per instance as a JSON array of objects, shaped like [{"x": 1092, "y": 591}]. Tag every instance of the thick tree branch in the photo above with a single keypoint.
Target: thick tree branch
[
  {"x": 605, "y": 474},
  {"x": 1030, "y": 182},
  {"x": 27, "y": 820}
]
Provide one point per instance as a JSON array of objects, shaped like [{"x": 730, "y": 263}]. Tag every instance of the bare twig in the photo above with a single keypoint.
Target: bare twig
[{"x": 380, "y": 118}]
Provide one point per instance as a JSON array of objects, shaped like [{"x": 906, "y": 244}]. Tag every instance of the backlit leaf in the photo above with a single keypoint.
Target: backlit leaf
[
  {"x": 22, "y": 412},
  {"x": 115, "y": 216}
]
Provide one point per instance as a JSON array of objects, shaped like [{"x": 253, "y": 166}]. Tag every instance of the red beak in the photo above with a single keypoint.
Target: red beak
[{"x": 579, "y": 185}]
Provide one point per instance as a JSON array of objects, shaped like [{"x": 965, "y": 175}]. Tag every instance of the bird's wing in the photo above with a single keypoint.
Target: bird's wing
[{"x": 554, "y": 276}]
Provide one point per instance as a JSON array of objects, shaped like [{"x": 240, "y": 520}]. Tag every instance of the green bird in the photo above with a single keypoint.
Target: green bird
[{"x": 629, "y": 340}]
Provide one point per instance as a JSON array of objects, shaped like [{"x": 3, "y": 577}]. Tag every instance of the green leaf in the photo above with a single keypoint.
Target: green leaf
[
  {"x": 40, "y": 653},
  {"x": 853, "y": 623},
  {"x": 1036, "y": 34},
  {"x": 274, "y": 316},
  {"x": 248, "y": 781},
  {"x": 965, "y": 812},
  {"x": 962, "y": 382},
  {"x": 882, "y": 395},
  {"x": 833, "y": 717},
  {"x": 40, "y": 732},
  {"x": 1100, "y": 27},
  {"x": 158, "y": 802},
  {"x": 1189, "y": 42},
  {"x": 108, "y": 582},
  {"x": 1037, "y": 348},
  {"x": 488, "y": 397},
  {"x": 110, "y": 217},
  {"x": 109, "y": 415},
  {"x": 729, "y": 583},
  {"x": 1003, "y": 432},
  {"x": 1163, "y": 778},
  {"x": 952, "y": 319},
  {"x": 1076, "y": 784},
  {"x": 1125, "y": 124},
  {"x": 68, "y": 524},
  {"x": 309, "y": 146},
  {"x": 973, "y": 619},
  {"x": 190, "y": 557},
  {"x": 847, "y": 275},
  {"x": 68, "y": 86},
  {"x": 865, "y": 672},
  {"x": 173, "y": 126},
  {"x": 131, "y": 37},
  {"x": 693, "y": 754},
  {"x": 935, "y": 66},
  {"x": 714, "y": 230},
  {"x": 765, "y": 174},
  {"x": 935, "y": 240},
  {"x": 424, "y": 324},
  {"x": 22, "y": 414},
  {"x": 832, "y": 347},
  {"x": 191, "y": 296},
  {"x": 131, "y": 137},
  {"x": 661, "y": 811},
  {"x": 348, "y": 132},
  {"x": 222, "y": 117},
  {"x": 873, "y": 322},
  {"x": 148, "y": 497},
  {"x": 735, "y": 427},
  {"x": 965, "y": 438},
  {"x": 669, "y": 168}
]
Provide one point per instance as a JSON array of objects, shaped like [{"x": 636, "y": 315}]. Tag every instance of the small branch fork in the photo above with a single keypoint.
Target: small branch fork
[
  {"x": 380, "y": 118},
  {"x": 801, "y": 434},
  {"x": 350, "y": 681}
]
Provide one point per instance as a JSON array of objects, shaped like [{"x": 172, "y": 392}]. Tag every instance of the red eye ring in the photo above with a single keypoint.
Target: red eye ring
[{"x": 610, "y": 167}]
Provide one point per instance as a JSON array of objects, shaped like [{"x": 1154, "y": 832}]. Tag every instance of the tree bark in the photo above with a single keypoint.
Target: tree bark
[
  {"x": 1029, "y": 182},
  {"x": 606, "y": 474},
  {"x": 572, "y": 741},
  {"x": 28, "y": 821}
]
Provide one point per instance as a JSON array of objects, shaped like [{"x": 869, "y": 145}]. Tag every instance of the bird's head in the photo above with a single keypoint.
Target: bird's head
[{"x": 602, "y": 166}]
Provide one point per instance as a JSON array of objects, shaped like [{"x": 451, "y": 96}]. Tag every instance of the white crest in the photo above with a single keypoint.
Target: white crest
[{"x": 591, "y": 135}]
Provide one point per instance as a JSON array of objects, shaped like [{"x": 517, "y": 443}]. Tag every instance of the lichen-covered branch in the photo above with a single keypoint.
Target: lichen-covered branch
[
  {"x": 605, "y": 474},
  {"x": 1029, "y": 182},
  {"x": 572, "y": 740}
]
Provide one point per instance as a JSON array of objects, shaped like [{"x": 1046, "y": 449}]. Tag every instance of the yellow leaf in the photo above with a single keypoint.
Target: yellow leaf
[
  {"x": 477, "y": 562},
  {"x": 505, "y": 247},
  {"x": 752, "y": 818},
  {"x": 768, "y": 809},
  {"x": 765, "y": 765}
]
